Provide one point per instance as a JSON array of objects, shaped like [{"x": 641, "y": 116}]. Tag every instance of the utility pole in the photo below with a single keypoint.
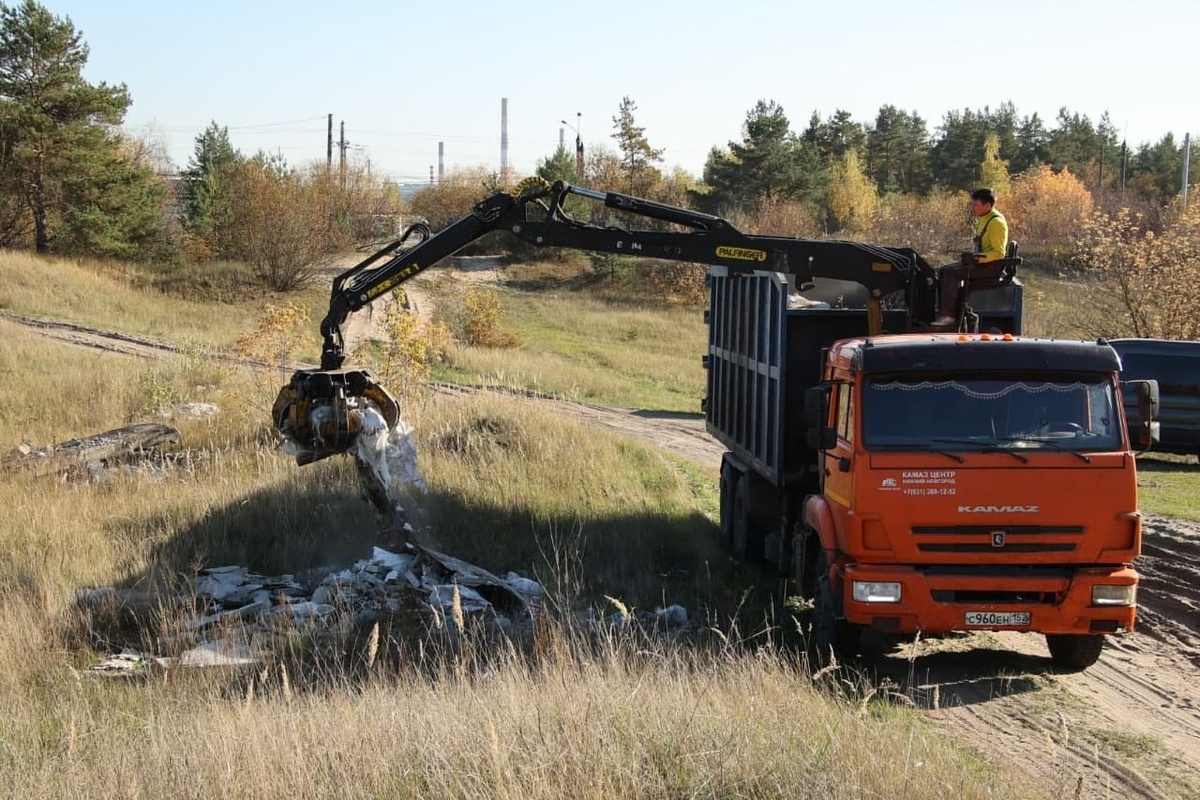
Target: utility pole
[
  {"x": 1187, "y": 153},
  {"x": 342, "y": 150},
  {"x": 577, "y": 127},
  {"x": 579, "y": 144},
  {"x": 1123, "y": 162},
  {"x": 329, "y": 148}
]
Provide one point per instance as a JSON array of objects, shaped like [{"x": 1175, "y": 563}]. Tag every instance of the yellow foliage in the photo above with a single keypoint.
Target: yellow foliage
[
  {"x": 786, "y": 218},
  {"x": 481, "y": 320},
  {"x": 281, "y": 331},
  {"x": 455, "y": 195},
  {"x": 993, "y": 172},
  {"x": 852, "y": 195},
  {"x": 1150, "y": 283},
  {"x": 411, "y": 346},
  {"x": 1046, "y": 208},
  {"x": 938, "y": 226}
]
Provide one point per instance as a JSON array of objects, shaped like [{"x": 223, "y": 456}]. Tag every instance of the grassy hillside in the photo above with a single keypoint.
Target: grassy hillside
[{"x": 582, "y": 714}]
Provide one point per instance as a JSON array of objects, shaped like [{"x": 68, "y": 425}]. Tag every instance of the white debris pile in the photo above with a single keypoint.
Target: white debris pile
[{"x": 237, "y": 607}]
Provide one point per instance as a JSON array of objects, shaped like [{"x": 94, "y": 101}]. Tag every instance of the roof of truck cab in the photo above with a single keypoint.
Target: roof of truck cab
[{"x": 954, "y": 352}]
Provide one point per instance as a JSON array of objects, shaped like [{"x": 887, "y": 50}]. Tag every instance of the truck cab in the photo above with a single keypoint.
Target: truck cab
[{"x": 974, "y": 482}]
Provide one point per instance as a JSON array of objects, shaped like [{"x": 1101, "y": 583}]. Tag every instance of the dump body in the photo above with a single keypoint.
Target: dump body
[{"x": 1176, "y": 367}]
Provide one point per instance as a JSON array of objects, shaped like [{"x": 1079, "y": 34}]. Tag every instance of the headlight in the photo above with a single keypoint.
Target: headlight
[
  {"x": 865, "y": 592},
  {"x": 1125, "y": 595}
]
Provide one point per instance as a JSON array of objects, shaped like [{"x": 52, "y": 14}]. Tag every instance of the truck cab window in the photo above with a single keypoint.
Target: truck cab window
[{"x": 910, "y": 411}]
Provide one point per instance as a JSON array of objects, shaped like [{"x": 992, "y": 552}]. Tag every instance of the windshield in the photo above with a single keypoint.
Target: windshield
[{"x": 1077, "y": 413}]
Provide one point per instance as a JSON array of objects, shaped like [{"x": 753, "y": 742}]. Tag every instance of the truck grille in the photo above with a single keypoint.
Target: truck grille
[{"x": 995, "y": 538}]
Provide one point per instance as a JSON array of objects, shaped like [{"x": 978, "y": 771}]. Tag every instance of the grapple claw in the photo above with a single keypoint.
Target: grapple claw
[{"x": 321, "y": 412}]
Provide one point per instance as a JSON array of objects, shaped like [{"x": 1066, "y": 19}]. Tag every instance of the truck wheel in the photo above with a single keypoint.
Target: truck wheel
[
  {"x": 804, "y": 561},
  {"x": 832, "y": 636},
  {"x": 728, "y": 482},
  {"x": 1074, "y": 652},
  {"x": 747, "y": 537}
]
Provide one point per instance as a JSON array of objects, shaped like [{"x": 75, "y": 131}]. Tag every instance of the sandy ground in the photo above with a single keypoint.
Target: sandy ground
[{"x": 1127, "y": 727}]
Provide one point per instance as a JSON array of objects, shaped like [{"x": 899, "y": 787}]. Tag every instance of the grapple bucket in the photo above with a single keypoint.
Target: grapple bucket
[{"x": 321, "y": 412}]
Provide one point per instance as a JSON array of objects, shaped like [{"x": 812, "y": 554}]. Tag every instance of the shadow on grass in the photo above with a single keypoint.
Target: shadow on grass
[{"x": 311, "y": 527}]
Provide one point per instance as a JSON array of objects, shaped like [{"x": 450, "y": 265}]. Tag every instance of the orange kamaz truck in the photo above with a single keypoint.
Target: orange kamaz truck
[
  {"x": 927, "y": 482},
  {"x": 906, "y": 476}
]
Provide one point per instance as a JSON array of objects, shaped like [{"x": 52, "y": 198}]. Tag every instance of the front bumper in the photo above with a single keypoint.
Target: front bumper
[{"x": 938, "y": 601}]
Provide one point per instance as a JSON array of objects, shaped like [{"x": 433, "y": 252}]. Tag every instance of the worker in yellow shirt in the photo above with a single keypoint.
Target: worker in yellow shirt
[
  {"x": 991, "y": 228},
  {"x": 991, "y": 244}
]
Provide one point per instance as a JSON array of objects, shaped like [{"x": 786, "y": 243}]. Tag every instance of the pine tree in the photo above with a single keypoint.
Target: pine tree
[
  {"x": 638, "y": 157},
  {"x": 51, "y": 119}
]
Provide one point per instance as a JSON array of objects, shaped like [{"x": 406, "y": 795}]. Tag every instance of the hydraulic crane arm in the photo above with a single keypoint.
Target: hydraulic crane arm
[
  {"x": 320, "y": 411},
  {"x": 538, "y": 217}
]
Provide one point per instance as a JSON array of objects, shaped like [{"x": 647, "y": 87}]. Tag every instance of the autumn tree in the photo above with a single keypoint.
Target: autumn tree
[
  {"x": 993, "y": 170},
  {"x": 1045, "y": 209},
  {"x": 1142, "y": 283},
  {"x": 450, "y": 198},
  {"x": 936, "y": 225},
  {"x": 638, "y": 158},
  {"x": 279, "y": 223},
  {"x": 62, "y": 161},
  {"x": 852, "y": 197}
]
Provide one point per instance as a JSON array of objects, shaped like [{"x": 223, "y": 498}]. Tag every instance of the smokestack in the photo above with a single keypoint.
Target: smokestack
[
  {"x": 441, "y": 161},
  {"x": 503, "y": 135}
]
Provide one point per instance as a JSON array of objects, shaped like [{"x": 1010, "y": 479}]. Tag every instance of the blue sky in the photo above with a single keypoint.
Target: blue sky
[{"x": 404, "y": 76}]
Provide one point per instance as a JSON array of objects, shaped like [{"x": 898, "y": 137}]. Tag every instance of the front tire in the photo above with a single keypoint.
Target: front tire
[
  {"x": 804, "y": 561},
  {"x": 833, "y": 637},
  {"x": 1074, "y": 652}
]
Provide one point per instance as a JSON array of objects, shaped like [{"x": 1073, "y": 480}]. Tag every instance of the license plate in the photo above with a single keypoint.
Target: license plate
[{"x": 990, "y": 619}]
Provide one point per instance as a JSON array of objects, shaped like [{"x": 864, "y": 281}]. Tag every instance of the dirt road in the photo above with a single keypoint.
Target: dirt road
[{"x": 1127, "y": 727}]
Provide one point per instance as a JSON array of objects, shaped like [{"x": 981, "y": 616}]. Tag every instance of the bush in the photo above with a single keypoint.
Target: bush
[
  {"x": 411, "y": 346},
  {"x": 481, "y": 320},
  {"x": 1045, "y": 209},
  {"x": 938, "y": 226},
  {"x": 1146, "y": 281}
]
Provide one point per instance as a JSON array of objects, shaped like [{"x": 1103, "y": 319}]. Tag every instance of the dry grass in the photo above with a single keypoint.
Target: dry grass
[
  {"x": 584, "y": 714},
  {"x": 583, "y": 348},
  {"x": 601, "y": 720},
  {"x": 105, "y": 295}
]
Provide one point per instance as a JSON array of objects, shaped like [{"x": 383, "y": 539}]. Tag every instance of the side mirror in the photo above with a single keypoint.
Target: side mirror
[
  {"x": 1147, "y": 401},
  {"x": 823, "y": 438},
  {"x": 816, "y": 406}
]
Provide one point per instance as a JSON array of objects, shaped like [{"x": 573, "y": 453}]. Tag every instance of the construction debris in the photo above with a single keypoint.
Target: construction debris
[{"x": 235, "y": 608}]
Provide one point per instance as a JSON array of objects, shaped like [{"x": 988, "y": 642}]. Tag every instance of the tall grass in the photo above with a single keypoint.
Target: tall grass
[{"x": 601, "y": 719}]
